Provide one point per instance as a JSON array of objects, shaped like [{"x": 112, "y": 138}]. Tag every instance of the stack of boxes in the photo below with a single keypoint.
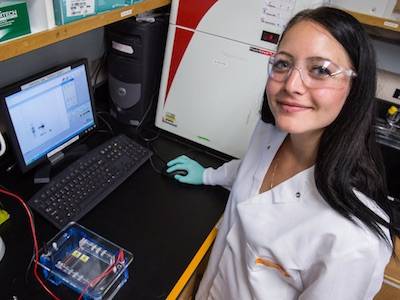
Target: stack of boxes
[
  {"x": 66, "y": 11},
  {"x": 22, "y": 17}
]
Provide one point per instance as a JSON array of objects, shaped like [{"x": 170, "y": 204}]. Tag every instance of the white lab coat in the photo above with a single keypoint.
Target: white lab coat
[{"x": 287, "y": 243}]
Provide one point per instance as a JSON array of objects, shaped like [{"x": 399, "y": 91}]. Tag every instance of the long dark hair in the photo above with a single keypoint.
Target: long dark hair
[{"x": 348, "y": 156}]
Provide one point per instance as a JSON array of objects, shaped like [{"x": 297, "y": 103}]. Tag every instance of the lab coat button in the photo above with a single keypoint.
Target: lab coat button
[
  {"x": 269, "y": 147},
  {"x": 298, "y": 195}
]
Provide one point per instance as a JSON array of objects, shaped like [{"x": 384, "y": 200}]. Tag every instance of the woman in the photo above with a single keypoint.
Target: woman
[{"x": 308, "y": 216}]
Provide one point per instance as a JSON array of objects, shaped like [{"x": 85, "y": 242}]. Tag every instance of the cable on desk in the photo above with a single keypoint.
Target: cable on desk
[
  {"x": 105, "y": 122},
  {"x": 35, "y": 243},
  {"x": 155, "y": 151},
  {"x": 157, "y": 155},
  {"x": 154, "y": 167},
  {"x": 10, "y": 167},
  {"x": 28, "y": 268},
  {"x": 100, "y": 277},
  {"x": 33, "y": 254},
  {"x": 147, "y": 139},
  {"x": 197, "y": 148}
]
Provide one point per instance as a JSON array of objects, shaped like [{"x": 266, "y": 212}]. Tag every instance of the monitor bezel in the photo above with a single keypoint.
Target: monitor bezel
[{"x": 16, "y": 87}]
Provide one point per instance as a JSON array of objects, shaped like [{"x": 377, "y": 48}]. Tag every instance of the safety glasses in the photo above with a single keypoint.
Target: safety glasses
[{"x": 315, "y": 72}]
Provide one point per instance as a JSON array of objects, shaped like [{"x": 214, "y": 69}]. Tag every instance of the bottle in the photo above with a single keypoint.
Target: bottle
[{"x": 392, "y": 115}]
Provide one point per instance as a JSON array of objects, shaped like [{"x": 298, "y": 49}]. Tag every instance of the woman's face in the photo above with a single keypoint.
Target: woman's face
[{"x": 297, "y": 107}]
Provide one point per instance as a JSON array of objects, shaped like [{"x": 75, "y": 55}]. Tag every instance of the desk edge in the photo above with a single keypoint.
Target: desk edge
[{"x": 193, "y": 265}]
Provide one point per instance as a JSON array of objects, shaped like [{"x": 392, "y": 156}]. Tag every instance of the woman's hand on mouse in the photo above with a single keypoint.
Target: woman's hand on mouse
[{"x": 194, "y": 169}]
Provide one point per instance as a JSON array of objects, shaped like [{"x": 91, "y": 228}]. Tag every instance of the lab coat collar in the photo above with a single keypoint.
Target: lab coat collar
[
  {"x": 271, "y": 140},
  {"x": 295, "y": 188},
  {"x": 292, "y": 190}
]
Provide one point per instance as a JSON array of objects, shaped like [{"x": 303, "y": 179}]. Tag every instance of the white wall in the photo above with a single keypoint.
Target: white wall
[{"x": 388, "y": 56}]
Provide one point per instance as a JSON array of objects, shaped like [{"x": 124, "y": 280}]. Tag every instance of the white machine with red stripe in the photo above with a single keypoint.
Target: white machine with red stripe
[{"x": 215, "y": 68}]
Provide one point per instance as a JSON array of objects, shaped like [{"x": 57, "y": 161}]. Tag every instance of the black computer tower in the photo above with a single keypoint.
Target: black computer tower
[{"x": 134, "y": 65}]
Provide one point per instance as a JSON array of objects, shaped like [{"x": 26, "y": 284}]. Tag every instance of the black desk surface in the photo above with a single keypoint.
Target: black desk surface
[{"x": 163, "y": 223}]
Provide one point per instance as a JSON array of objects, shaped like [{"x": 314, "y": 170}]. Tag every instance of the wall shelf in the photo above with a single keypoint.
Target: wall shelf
[
  {"x": 27, "y": 43},
  {"x": 388, "y": 24}
]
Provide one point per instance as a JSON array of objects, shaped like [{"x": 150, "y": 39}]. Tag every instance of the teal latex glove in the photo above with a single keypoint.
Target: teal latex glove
[{"x": 194, "y": 169}]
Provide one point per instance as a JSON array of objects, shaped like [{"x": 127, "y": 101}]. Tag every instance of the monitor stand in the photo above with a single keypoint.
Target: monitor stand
[
  {"x": 42, "y": 175},
  {"x": 2, "y": 248}
]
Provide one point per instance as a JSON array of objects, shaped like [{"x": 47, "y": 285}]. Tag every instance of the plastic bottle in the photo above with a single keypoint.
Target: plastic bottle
[{"x": 392, "y": 115}]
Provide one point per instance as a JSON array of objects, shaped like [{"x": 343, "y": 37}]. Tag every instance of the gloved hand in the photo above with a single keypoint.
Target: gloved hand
[{"x": 194, "y": 169}]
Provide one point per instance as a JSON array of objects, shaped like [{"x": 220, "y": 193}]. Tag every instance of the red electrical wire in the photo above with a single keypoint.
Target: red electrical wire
[
  {"x": 98, "y": 278},
  {"x": 35, "y": 243},
  {"x": 93, "y": 282}
]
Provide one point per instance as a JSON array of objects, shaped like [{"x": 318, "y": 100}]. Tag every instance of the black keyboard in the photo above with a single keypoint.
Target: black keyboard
[{"x": 77, "y": 189}]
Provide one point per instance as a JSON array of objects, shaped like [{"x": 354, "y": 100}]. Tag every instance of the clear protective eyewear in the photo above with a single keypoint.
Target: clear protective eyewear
[{"x": 315, "y": 72}]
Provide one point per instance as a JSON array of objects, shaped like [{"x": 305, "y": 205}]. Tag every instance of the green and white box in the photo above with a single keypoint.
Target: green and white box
[
  {"x": 66, "y": 11},
  {"x": 14, "y": 19}
]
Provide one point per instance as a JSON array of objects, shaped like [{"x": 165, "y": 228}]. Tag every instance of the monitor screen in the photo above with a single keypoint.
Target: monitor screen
[{"x": 49, "y": 112}]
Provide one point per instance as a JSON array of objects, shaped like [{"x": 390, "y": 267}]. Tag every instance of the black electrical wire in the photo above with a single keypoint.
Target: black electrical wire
[
  {"x": 98, "y": 69},
  {"x": 156, "y": 155},
  {"x": 146, "y": 113},
  {"x": 28, "y": 268},
  {"x": 106, "y": 123},
  {"x": 147, "y": 139}
]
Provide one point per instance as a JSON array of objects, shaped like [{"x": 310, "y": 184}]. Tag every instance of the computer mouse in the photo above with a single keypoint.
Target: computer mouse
[{"x": 173, "y": 173}]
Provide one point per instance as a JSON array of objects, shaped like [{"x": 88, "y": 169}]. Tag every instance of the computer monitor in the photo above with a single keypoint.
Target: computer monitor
[{"x": 48, "y": 112}]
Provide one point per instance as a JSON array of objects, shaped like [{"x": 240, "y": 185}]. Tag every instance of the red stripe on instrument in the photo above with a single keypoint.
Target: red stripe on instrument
[
  {"x": 181, "y": 41},
  {"x": 190, "y": 14}
]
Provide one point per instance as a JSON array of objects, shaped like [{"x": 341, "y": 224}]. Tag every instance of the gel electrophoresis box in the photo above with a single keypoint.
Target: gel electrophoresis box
[{"x": 85, "y": 262}]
